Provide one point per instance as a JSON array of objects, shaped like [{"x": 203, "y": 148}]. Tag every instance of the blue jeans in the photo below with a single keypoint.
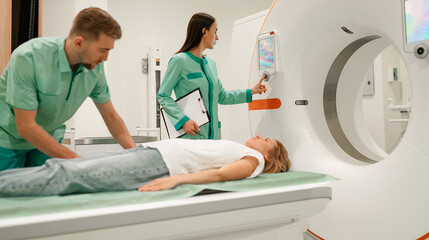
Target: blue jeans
[{"x": 126, "y": 170}]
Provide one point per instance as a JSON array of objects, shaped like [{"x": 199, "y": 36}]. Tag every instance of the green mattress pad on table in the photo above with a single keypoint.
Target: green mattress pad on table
[{"x": 29, "y": 206}]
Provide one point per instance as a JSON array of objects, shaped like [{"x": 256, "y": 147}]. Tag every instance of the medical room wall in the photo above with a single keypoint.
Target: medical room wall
[
  {"x": 159, "y": 24},
  {"x": 379, "y": 118}
]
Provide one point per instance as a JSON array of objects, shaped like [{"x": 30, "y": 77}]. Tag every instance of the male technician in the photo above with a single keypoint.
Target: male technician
[{"x": 46, "y": 81}]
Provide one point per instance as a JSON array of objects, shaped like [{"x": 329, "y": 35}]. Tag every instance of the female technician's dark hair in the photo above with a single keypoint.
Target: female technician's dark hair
[{"x": 198, "y": 22}]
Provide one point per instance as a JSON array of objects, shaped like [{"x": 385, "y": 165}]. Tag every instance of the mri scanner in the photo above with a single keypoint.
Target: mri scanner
[
  {"x": 314, "y": 106},
  {"x": 322, "y": 52},
  {"x": 270, "y": 213}
]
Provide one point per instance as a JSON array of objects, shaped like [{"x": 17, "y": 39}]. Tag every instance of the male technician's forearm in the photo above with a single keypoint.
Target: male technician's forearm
[
  {"x": 40, "y": 139},
  {"x": 120, "y": 132}
]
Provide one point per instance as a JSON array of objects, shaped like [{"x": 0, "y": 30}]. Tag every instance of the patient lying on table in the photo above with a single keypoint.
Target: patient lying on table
[{"x": 153, "y": 166}]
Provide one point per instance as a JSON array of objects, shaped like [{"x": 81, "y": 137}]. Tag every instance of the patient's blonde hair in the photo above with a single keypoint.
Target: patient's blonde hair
[{"x": 279, "y": 159}]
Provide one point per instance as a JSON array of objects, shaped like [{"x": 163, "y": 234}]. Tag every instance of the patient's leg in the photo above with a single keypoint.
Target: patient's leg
[{"x": 124, "y": 171}]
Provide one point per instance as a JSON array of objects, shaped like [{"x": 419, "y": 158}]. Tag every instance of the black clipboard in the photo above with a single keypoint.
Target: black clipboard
[{"x": 193, "y": 106}]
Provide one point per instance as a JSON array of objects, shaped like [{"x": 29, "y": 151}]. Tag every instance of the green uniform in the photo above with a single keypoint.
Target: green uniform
[
  {"x": 38, "y": 78},
  {"x": 186, "y": 73}
]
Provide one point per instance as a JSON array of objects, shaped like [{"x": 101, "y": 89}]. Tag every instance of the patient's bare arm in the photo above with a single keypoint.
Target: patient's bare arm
[{"x": 234, "y": 171}]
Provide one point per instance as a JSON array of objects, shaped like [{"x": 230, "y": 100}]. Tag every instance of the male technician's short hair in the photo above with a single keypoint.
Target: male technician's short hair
[{"x": 91, "y": 22}]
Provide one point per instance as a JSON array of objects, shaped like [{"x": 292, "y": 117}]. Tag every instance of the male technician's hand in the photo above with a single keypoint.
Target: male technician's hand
[
  {"x": 259, "y": 88},
  {"x": 191, "y": 127}
]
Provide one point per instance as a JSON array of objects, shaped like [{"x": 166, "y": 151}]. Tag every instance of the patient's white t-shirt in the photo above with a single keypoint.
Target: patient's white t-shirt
[{"x": 183, "y": 156}]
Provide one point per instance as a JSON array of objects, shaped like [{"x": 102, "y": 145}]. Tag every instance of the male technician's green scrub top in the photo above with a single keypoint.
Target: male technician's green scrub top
[
  {"x": 38, "y": 78},
  {"x": 186, "y": 73}
]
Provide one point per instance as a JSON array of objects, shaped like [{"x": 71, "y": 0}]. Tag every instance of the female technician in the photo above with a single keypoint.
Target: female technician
[{"x": 188, "y": 70}]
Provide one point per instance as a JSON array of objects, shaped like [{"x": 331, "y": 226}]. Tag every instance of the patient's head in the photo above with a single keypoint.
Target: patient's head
[{"x": 275, "y": 154}]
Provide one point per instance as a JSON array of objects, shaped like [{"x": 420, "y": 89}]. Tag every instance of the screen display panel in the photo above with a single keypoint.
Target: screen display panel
[
  {"x": 416, "y": 20},
  {"x": 266, "y": 53}
]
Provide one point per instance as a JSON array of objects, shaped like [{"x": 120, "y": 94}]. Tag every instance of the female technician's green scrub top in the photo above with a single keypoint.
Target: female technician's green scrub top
[{"x": 186, "y": 73}]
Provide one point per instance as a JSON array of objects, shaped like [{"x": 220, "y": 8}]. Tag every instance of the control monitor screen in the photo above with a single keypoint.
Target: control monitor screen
[
  {"x": 266, "y": 53},
  {"x": 416, "y": 20}
]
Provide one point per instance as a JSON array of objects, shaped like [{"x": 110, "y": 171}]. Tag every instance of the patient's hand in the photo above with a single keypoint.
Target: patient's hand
[{"x": 159, "y": 184}]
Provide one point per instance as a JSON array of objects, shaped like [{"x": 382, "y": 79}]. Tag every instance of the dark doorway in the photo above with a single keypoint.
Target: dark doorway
[{"x": 25, "y": 21}]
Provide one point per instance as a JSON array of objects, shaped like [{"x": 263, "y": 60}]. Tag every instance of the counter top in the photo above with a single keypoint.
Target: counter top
[{"x": 106, "y": 140}]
